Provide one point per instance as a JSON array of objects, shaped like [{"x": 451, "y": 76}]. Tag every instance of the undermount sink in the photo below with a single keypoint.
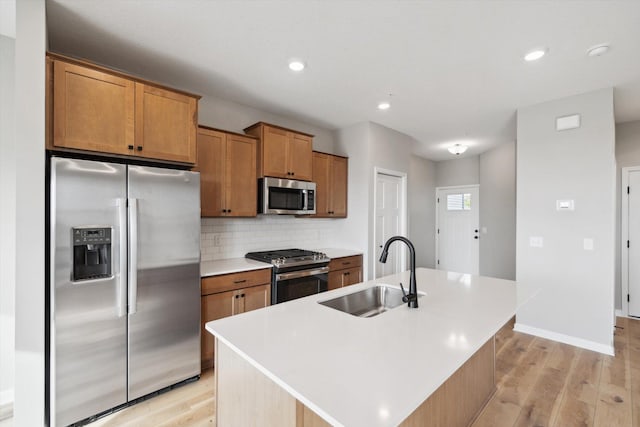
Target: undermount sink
[{"x": 367, "y": 302}]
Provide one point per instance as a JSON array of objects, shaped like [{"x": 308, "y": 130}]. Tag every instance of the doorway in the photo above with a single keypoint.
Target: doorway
[
  {"x": 630, "y": 241},
  {"x": 457, "y": 228},
  {"x": 390, "y": 207}
]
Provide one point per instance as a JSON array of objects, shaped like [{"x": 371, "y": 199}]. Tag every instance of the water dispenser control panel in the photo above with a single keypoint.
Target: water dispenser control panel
[{"x": 91, "y": 253}]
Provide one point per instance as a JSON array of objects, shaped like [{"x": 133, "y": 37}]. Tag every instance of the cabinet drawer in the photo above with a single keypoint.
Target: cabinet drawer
[
  {"x": 345, "y": 262},
  {"x": 229, "y": 282}
]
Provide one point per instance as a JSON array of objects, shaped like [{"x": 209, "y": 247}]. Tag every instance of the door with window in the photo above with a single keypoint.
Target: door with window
[{"x": 457, "y": 229}]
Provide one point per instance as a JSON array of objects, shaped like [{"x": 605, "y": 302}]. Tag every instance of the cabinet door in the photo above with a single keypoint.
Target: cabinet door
[
  {"x": 338, "y": 192},
  {"x": 211, "y": 164},
  {"x": 274, "y": 152},
  {"x": 254, "y": 298},
  {"x": 321, "y": 178},
  {"x": 166, "y": 124},
  {"x": 214, "y": 306},
  {"x": 300, "y": 155},
  {"x": 335, "y": 280},
  {"x": 92, "y": 110},
  {"x": 351, "y": 276},
  {"x": 241, "y": 182}
]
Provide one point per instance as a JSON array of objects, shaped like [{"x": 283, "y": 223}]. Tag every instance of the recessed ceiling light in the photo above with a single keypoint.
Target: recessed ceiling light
[
  {"x": 598, "y": 50},
  {"x": 296, "y": 65},
  {"x": 457, "y": 149},
  {"x": 384, "y": 106},
  {"x": 534, "y": 55}
]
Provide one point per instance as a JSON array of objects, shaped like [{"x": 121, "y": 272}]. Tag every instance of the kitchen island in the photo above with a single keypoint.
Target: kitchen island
[{"x": 302, "y": 363}]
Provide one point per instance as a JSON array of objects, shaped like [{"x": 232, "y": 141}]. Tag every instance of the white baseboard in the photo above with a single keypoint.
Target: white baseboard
[
  {"x": 567, "y": 339},
  {"x": 6, "y": 404}
]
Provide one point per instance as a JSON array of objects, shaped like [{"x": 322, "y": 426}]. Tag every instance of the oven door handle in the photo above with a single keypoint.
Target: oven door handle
[{"x": 302, "y": 273}]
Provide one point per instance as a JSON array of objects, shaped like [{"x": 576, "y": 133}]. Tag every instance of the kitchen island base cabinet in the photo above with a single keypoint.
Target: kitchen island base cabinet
[{"x": 244, "y": 394}]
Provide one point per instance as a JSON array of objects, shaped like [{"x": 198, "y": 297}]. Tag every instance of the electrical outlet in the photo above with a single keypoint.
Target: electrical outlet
[{"x": 216, "y": 240}]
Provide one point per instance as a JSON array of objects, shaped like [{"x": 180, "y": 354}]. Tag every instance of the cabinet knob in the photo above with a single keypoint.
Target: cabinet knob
[
  {"x": 242, "y": 295},
  {"x": 139, "y": 147},
  {"x": 130, "y": 147}
]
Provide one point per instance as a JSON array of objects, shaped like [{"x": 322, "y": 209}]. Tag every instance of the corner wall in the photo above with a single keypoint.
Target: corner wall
[
  {"x": 7, "y": 224},
  {"x": 422, "y": 209},
  {"x": 30, "y": 48},
  {"x": 627, "y": 154},
  {"x": 575, "y": 303}
]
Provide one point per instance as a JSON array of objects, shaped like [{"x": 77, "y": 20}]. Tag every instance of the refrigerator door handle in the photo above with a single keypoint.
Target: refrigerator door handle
[
  {"x": 122, "y": 235},
  {"x": 133, "y": 256}
]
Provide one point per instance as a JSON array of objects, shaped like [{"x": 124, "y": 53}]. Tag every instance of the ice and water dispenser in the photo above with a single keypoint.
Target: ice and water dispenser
[{"x": 91, "y": 253}]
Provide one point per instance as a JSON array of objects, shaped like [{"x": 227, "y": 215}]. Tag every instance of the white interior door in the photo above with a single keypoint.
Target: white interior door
[
  {"x": 457, "y": 233},
  {"x": 633, "y": 250},
  {"x": 389, "y": 215}
]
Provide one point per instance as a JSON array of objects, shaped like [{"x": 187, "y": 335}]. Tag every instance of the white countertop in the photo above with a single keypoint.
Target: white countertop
[
  {"x": 372, "y": 371},
  {"x": 231, "y": 265},
  {"x": 338, "y": 253}
]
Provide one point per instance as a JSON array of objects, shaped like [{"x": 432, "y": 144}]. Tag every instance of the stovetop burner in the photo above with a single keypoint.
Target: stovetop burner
[{"x": 289, "y": 257}]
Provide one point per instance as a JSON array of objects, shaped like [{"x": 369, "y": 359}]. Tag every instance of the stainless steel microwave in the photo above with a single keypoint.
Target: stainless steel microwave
[{"x": 286, "y": 196}]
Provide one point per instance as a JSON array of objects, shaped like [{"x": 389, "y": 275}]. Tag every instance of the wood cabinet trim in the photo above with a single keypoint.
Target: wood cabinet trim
[
  {"x": 88, "y": 64},
  {"x": 205, "y": 129},
  {"x": 258, "y": 124}
]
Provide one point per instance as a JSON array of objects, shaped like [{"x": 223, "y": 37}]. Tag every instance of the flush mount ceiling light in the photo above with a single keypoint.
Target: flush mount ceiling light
[
  {"x": 296, "y": 65},
  {"x": 598, "y": 50},
  {"x": 384, "y": 106},
  {"x": 534, "y": 55},
  {"x": 457, "y": 149}
]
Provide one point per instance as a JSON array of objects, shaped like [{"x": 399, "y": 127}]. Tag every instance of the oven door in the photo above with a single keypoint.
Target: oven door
[{"x": 298, "y": 284}]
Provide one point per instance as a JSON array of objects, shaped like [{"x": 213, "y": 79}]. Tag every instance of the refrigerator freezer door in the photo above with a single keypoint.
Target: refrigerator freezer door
[
  {"x": 164, "y": 322},
  {"x": 88, "y": 322}
]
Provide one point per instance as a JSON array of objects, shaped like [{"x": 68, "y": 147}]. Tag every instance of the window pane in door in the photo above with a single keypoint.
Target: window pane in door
[{"x": 459, "y": 202}]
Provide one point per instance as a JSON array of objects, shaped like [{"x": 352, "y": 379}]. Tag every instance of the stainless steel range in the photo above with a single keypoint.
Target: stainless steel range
[{"x": 296, "y": 273}]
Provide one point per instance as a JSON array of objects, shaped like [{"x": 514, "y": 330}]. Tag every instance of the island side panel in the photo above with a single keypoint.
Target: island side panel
[
  {"x": 458, "y": 401},
  {"x": 244, "y": 394}
]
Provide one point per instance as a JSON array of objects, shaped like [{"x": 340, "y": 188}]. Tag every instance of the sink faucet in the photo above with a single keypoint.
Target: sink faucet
[{"x": 412, "y": 297}]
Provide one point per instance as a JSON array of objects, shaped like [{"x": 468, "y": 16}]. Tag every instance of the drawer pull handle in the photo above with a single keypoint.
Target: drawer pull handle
[
  {"x": 346, "y": 263},
  {"x": 240, "y": 281}
]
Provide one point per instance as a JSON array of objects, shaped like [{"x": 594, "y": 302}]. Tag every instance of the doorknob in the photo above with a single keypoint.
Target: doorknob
[
  {"x": 475, "y": 237},
  {"x": 476, "y": 231}
]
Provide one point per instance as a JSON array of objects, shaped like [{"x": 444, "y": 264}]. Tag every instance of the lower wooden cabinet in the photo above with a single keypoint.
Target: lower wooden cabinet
[
  {"x": 345, "y": 271},
  {"x": 227, "y": 295}
]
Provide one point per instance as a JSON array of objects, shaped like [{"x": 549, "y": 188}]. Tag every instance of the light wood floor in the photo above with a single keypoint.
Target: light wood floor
[{"x": 539, "y": 383}]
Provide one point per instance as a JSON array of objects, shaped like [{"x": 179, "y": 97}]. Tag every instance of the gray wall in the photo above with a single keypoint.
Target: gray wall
[
  {"x": 422, "y": 209},
  {"x": 7, "y": 219},
  {"x": 627, "y": 154},
  {"x": 498, "y": 212},
  {"x": 30, "y": 51},
  {"x": 458, "y": 171},
  {"x": 575, "y": 302},
  {"x": 219, "y": 113}
]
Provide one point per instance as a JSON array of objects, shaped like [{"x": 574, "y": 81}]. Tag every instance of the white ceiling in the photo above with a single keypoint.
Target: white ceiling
[{"x": 455, "y": 68}]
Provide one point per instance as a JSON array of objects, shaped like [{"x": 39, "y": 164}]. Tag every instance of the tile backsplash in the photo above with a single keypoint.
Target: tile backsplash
[{"x": 222, "y": 238}]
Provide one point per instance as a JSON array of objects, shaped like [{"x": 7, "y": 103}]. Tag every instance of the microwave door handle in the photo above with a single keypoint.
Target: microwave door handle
[{"x": 305, "y": 200}]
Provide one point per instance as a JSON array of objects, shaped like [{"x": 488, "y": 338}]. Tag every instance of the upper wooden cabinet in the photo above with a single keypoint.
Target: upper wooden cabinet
[
  {"x": 282, "y": 153},
  {"x": 227, "y": 165},
  {"x": 330, "y": 176},
  {"x": 91, "y": 108}
]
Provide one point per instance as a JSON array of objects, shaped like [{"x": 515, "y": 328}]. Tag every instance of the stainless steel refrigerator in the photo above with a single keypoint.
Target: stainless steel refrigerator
[{"x": 124, "y": 286}]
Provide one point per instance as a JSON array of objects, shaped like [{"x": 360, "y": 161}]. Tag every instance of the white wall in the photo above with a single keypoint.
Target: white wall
[
  {"x": 576, "y": 299},
  {"x": 458, "y": 171},
  {"x": 7, "y": 221},
  {"x": 498, "y": 212},
  {"x": 422, "y": 209},
  {"x": 227, "y": 115},
  {"x": 627, "y": 154},
  {"x": 369, "y": 145},
  {"x": 30, "y": 208}
]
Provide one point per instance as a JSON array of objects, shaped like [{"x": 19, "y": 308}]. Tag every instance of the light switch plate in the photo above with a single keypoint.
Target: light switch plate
[
  {"x": 536, "y": 241},
  {"x": 588, "y": 244}
]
